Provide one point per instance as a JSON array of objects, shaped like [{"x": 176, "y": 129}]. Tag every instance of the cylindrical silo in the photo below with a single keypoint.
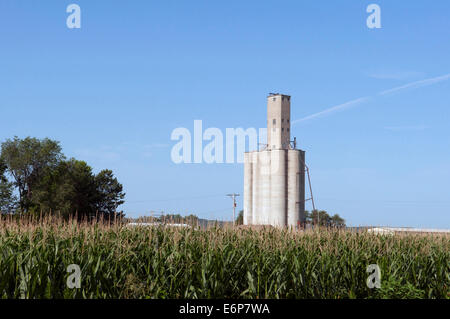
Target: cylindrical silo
[
  {"x": 256, "y": 211},
  {"x": 265, "y": 172},
  {"x": 247, "y": 188},
  {"x": 302, "y": 187},
  {"x": 278, "y": 211},
  {"x": 294, "y": 182}
]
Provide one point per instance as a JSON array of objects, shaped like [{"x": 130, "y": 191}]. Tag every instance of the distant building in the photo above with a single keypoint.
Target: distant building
[
  {"x": 142, "y": 224},
  {"x": 274, "y": 177},
  {"x": 394, "y": 230}
]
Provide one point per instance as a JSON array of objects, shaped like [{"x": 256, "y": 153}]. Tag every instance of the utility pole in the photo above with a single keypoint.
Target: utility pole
[{"x": 233, "y": 196}]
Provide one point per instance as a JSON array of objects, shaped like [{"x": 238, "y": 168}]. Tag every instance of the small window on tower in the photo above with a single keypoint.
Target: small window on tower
[
  {"x": 274, "y": 121},
  {"x": 282, "y": 120},
  {"x": 288, "y": 129},
  {"x": 288, "y": 120},
  {"x": 282, "y": 129},
  {"x": 274, "y": 98}
]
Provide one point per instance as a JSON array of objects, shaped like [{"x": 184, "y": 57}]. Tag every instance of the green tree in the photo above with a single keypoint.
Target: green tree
[
  {"x": 72, "y": 188},
  {"x": 240, "y": 218},
  {"x": 318, "y": 217},
  {"x": 68, "y": 189},
  {"x": 337, "y": 221},
  {"x": 109, "y": 191},
  {"x": 46, "y": 182},
  {"x": 322, "y": 218},
  {"x": 26, "y": 160},
  {"x": 7, "y": 198}
]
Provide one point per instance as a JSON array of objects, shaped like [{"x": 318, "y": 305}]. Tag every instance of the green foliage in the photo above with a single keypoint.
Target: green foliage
[
  {"x": 67, "y": 189},
  {"x": 170, "y": 262},
  {"x": 7, "y": 198},
  {"x": 322, "y": 218},
  {"x": 71, "y": 188},
  {"x": 47, "y": 183},
  {"x": 26, "y": 160},
  {"x": 395, "y": 289},
  {"x": 240, "y": 218},
  {"x": 109, "y": 191}
]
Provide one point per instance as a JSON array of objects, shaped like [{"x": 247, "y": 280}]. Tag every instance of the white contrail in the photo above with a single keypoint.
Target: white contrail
[
  {"x": 333, "y": 109},
  {"x": 414, "y": 85},
  {"x": 417, "y": 84}
]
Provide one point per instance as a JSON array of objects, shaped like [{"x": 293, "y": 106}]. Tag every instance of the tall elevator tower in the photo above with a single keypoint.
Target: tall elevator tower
[{"x": 274, "y": 177}]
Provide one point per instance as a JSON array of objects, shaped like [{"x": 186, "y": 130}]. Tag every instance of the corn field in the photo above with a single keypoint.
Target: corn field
[{"x": 117, "y": 261}]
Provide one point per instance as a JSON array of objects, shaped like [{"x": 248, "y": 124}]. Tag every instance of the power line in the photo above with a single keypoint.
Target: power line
[
  {"x": 149, "y": 211},
  {"x": 173, "y": 199}
]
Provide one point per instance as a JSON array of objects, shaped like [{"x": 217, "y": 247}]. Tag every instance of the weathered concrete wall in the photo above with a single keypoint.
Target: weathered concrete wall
[
  {"x": 256, "y": 207},
  {"x": 278, "y": 121},
  {"x": 248, "y": 188},
  {"x": 265, "y": 174},
  {"x": 302, "y": 187},
  {"x": 293, "y": 188},
  {"x": 278, "y": 188}
]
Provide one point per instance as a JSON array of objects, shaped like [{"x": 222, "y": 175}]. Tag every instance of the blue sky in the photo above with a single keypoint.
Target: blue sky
[{"x": 113, "y": 91}]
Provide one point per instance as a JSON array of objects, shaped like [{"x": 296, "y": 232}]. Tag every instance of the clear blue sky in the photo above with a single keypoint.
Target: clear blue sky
[{"x": 113, "y": 91}]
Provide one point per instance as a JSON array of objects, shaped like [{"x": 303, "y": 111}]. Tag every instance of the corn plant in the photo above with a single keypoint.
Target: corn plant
[{"x": 117, "y": 261}]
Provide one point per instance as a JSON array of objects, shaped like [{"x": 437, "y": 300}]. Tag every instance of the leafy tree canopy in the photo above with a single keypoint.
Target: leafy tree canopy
[
  {"x": 322, "y": 218},
  {"x": 48, "y": 183},
  {"x": 7, "y": 198},
  {"x": 109, "y": 191},
  {"x": 25, "y": 160}
]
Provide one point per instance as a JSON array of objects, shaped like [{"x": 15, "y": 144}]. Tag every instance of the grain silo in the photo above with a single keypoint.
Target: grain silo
[{"x": 274, "y": 177}]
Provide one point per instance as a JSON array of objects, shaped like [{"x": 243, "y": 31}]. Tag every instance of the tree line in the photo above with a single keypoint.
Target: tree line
[
  {"x": 37, "y": 178},
  {"x": 322, "y": 218},
  {"x": 315, "y": 217},
  {"x": 169, "y": 218}
]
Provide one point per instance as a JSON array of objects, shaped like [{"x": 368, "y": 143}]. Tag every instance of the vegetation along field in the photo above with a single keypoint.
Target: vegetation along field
[{"x": 119, "y": 261}]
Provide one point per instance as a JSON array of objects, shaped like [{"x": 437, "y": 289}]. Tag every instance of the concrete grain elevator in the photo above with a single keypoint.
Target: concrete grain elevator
[{"x": 274, "y": 177}]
